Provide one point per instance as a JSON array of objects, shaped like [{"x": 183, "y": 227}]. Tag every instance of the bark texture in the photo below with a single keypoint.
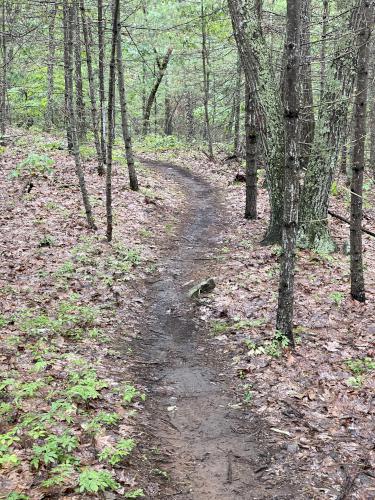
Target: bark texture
[
  {"x": 284, "y": 321},
  {"x": 256, "y": 63},
  {"x": 124, "y": 117},
  {"x": 356, "y": 210},
  {"x": 68, "y": 24},
  {"x": 251, "y": 156}
]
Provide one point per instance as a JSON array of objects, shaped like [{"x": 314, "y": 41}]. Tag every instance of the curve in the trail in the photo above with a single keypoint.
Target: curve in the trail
[{"x": 210, "y": 441}]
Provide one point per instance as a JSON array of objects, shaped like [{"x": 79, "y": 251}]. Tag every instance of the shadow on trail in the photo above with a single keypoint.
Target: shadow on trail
[{"x": 211, "y": 448}]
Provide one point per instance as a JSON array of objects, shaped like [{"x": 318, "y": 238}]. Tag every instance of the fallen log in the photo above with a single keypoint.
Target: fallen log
[{"x": 347, "y": 221}]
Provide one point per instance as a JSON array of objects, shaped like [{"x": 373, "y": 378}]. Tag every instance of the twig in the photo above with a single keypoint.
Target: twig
[{"x": 367, "y": 231}]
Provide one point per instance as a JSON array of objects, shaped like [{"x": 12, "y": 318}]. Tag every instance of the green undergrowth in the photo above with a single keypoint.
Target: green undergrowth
[{"x": 59, "y": 399}]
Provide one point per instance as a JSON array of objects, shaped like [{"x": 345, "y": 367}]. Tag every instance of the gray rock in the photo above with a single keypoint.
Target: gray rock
[{"x": 204, "y": 287}]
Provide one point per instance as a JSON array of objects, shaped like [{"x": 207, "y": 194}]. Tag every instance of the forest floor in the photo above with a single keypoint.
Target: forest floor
[{"x": 113, "y": 379}]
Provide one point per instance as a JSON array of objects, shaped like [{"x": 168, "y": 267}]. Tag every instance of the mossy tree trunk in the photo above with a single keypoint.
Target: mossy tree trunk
[{"x": 256, "y": 63}]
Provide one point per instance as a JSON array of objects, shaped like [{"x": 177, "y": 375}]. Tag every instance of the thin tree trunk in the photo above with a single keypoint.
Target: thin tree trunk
[
  {"x": 91, "y": 82},
  {"x": 101, "y": 79},
  {"x": 162, "y": 65},
  {"x": 68, "y": 20},
  {"x": 284, "y": 321},
  {"x": 68, "y": 73},
  {"x": 111, "y": 105},
  {"x": 189, "y": 116},
  {"x": 325, "y": 19},
  {"x": 251, "y": 156},
  {"x": 371, "y": 124},
  {"x": 4, "y": 67},
  {"x": 124, "y": 117},
  {"x": 80, "y": 103},
  {"x": 49, "y": 115},
  {"x": 255, "y": 58},
  {"x": 307, "y": 121},
  {"x": 206, "y": 82},
  {"x": 356, "y": 211},
  {"x": 237, "y": 109}
]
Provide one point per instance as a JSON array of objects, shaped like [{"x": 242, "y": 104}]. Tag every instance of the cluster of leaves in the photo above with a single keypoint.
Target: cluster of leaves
[{"x": 33, "y": 166}]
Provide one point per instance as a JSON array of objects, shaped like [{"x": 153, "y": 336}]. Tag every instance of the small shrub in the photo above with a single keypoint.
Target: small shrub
[
  {"x": 115, "y": 455},
  {"x": 34, "y": 165},
  {"x": 95, "y": 481}
]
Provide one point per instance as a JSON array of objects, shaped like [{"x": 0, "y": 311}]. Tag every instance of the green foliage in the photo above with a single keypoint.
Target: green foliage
[
  {"x": 218, "y": 327},
  {"x": 359, "y": 368},
  {"x": 85, "y": 386},
  {"x": 94, "y": 481},
  {"x": 273, "y": 348},
  {"x": 34, "y": 165},
  {"x": 7, "y": 457},
  {"x": 135, "y": 493},
  {"x": 130, "y": 393},
  {"x": 54, "y": 450},
  {"x": 159, "y": 143},
  {"x": 59, "y": 475},
  {"x": 115, "y": 455},
  {"x": 3, "y": 321},
  {"x": 17, "y": 496},
  {"x": 337, "y": 297}
]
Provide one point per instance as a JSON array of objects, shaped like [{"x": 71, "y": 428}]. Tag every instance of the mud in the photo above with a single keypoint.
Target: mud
[{"x": 210, "y": 446}]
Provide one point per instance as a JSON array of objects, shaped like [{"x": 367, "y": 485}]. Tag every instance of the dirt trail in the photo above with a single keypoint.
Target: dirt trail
[{"x": 213, "y": 448}]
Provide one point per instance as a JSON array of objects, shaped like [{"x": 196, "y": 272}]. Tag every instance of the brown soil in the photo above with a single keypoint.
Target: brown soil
[{"x": 209, "y": 446}]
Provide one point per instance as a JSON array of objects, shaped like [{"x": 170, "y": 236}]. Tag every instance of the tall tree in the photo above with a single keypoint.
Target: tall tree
[
  {"x": 206, "y": 81},
  {"x": 356, "y": 213},
  {"x": 68, "y": 25},
  {"x": 251, "y": 156},
  {"x": 330, "y": 126},
  {"x": 124, "y": 116},
  {"x": 101, "y": 79},
  {"x": 255, "y": 57},
  {"x": 80, "y": 103},
  {"x": 162, "y": 66},
  {"x": 50, "y": 68},
  {"x": 284, "y": 321},
  {"x": 91, "y": 82},
  {"x": 237, "y": 108},
  {"x": 110, "y": 129}
]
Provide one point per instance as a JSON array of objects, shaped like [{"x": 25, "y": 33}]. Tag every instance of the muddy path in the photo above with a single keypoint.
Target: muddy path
[{"x": 210, "y": 447}]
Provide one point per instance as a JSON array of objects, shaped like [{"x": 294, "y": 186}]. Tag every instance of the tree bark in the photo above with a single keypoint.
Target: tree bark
[
  {"x": 111, "y": 105},
  {"x": 356, "y": 211},
  {"x": 325, "y": 19},
  {"x": 124, "y": 117},
  {"x": 251, "y": 156},
  {"x": 329, "y": 130},
  {"x": 101, "y": 80},
  {"x": 307, "y": 118},
  {"x": 80, "y": 103},
  {"x": 49, "y": 115},
  {"x": 68, "y": 22},
  {"x": 91, "y": 82},
  {"x": 237, "y": 109},
  {"x": 206, "y": 83},
  {"x": 284, "y": 321},
  {"x": 162, "y": 66},
  {"x": 255, "y": 58}
]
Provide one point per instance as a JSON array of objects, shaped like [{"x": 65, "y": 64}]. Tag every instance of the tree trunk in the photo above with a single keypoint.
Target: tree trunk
[
  {"x": 111, "y": 105},
  {"x": 237, "y": 109},
  {"x": 251, "y": 156},
  {"x": 68, "y": 73},
  {"x": 189, "y": 116},
  {"x": 284, "y": 321},
  {"x": 80, "y": 103},
  {"x": 371, "y": 124},
  {"x": 356, "y": 212},
  {"x": 168, "y": 116},
  {"x": 101, "y": 80},
  {"x": 331, "y": 125},
  {"x": 255, "y": 58},
  {"x": 68, "y": 20},
  {"x": 325, "y": 19},
  {"x": 4, "y": 75},
  {"x": 206, "y": 83},
  {"x": 49, "y": 115},
  {"x": 124, "y": 117},
  {"x": 162, "y": 66},
  {"x": 307, "y": 121},
  {"x": 91, "y": 81}
]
